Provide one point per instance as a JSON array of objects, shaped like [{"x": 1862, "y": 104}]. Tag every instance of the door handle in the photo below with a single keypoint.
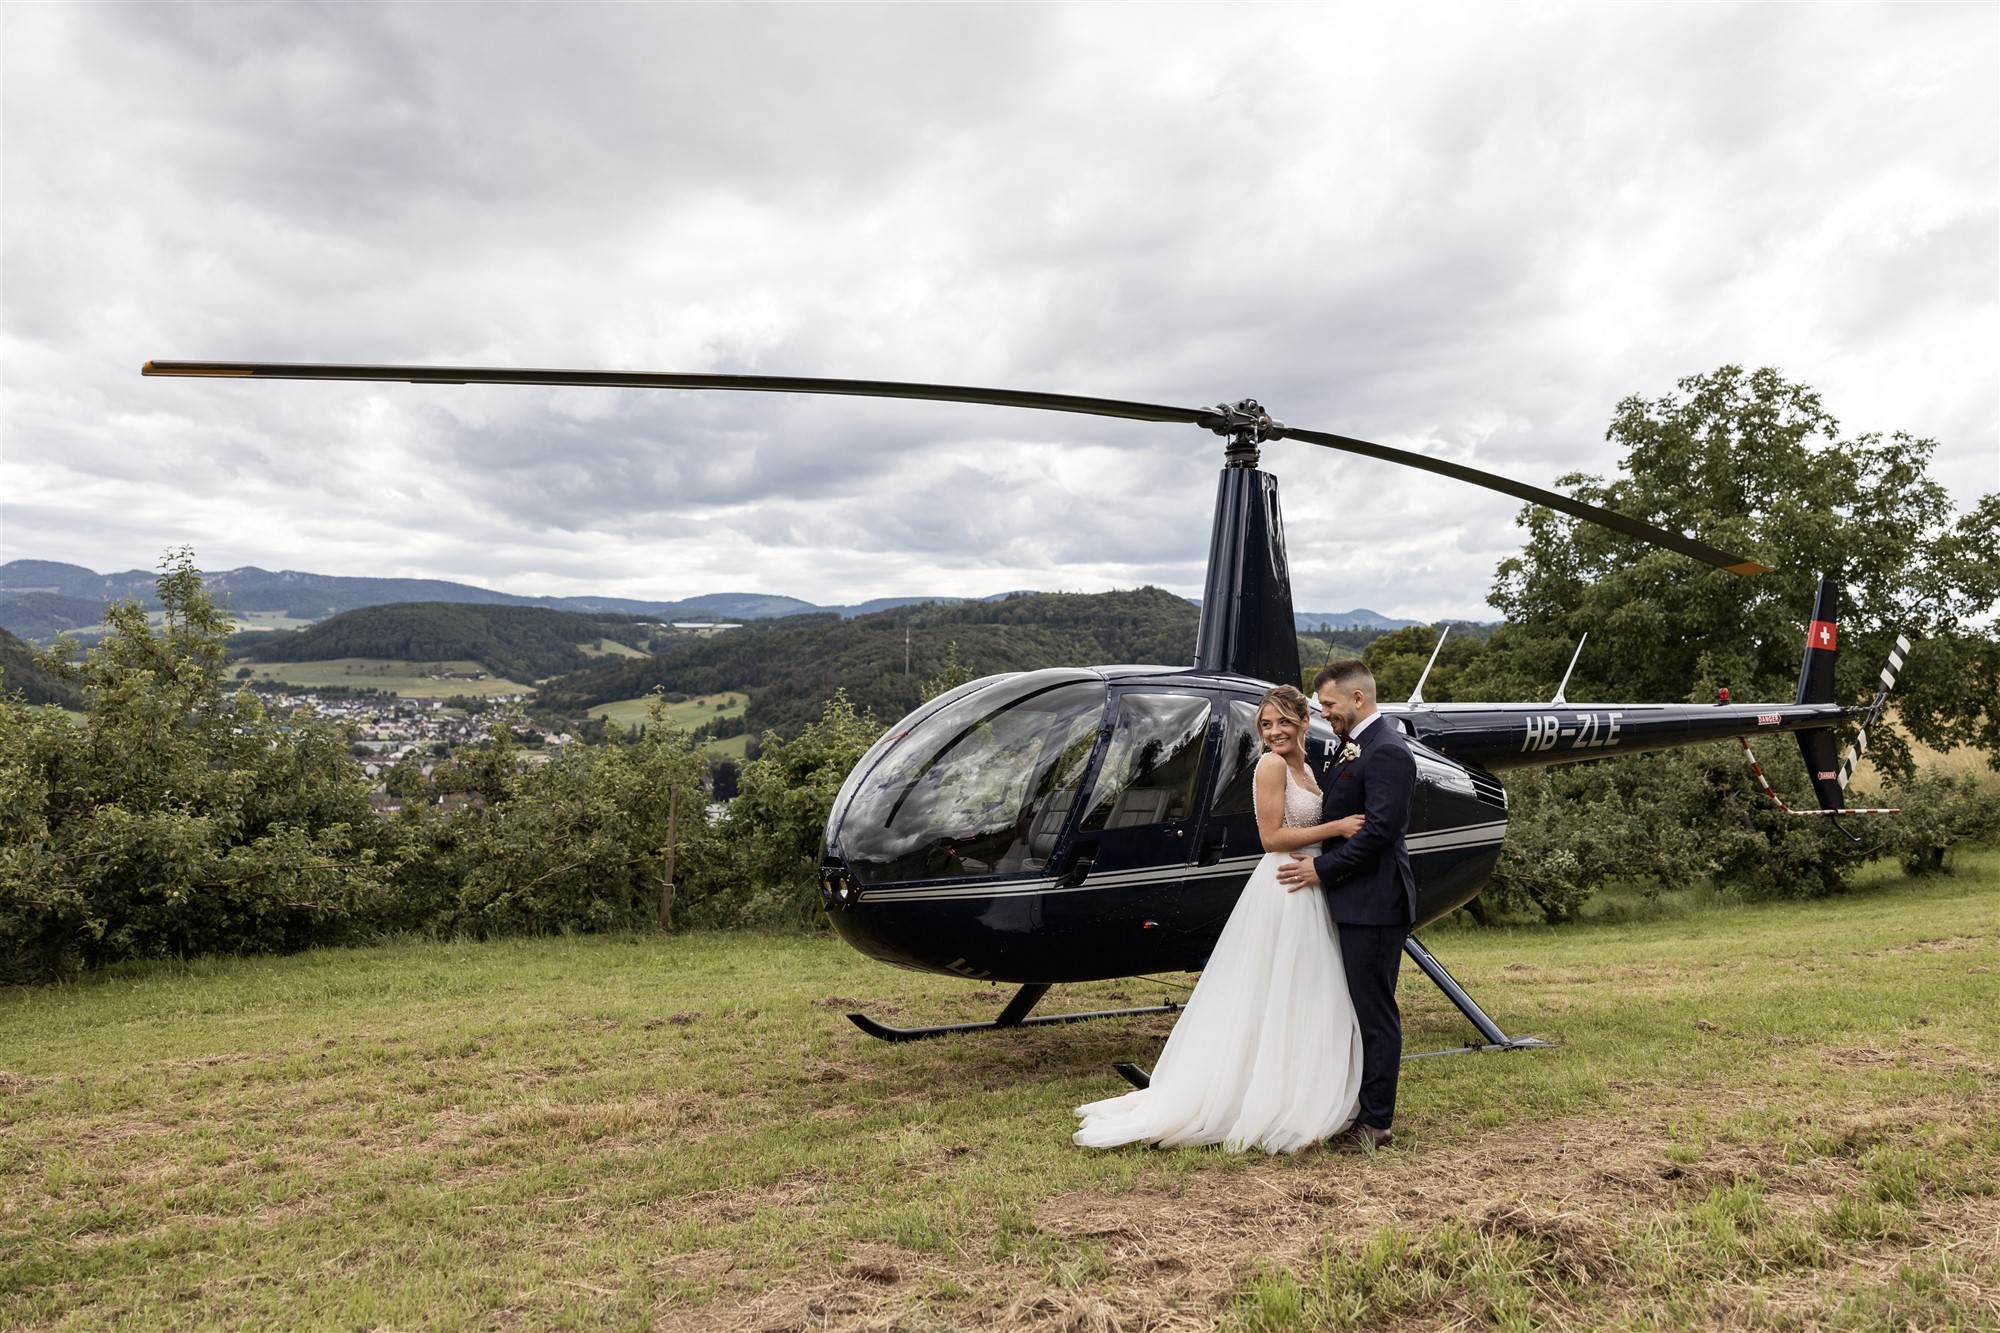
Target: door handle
[
  {"x": 1080, "y": 861},
  {"x": 1212, "y": 843}
]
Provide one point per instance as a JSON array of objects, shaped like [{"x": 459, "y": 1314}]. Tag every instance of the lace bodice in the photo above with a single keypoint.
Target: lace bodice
[{"x": 1302, "y": 803}]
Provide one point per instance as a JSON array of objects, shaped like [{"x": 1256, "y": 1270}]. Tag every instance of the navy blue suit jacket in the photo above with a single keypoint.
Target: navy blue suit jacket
[{"x": 1367, "y": 877}]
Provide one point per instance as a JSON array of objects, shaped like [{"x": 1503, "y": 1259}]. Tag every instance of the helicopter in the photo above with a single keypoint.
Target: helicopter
[{"x": 1084, "y": 824}]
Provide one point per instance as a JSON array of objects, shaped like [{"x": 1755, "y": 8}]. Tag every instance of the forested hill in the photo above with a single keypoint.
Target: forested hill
[
  {"x": 791, "y": 667},
  {"x": 19, "y": 675},
  {"x": 68, "y": 592},
  {"x": 523, "y": 643}
]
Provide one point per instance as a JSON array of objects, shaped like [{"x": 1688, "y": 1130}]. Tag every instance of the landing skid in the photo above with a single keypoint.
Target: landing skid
[
  {"x": 1015, "y": 1015},
  {"x": 1496, "y": 1040}
]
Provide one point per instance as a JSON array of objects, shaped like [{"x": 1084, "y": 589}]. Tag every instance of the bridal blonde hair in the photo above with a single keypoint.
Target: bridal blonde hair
[{"x": 1288, "y": 700}]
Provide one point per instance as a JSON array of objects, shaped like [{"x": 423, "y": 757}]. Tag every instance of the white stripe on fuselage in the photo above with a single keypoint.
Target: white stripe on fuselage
[{"x": 1420, "y": 844}]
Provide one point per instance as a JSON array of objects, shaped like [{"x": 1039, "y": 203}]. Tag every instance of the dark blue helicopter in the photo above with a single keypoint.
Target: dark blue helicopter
[{"x": 1076, "y": 824}]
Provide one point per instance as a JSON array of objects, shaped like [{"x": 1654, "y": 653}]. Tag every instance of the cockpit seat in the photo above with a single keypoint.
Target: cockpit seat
[
  {"x": 1044, "y": 831},
  {"x": 1136, "y": 806},
  {"x": 1048, "y": 825}
]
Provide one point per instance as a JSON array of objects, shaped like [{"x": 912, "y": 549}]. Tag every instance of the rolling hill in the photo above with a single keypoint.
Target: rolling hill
[
  {"x": 42, "y": 598},
  {"x": 27, "y": 587},
  {"x": 19, "y": 674},
  {"x": 524, "y": 643},
  {"x": 791, "y": 667},
  {"x": 40, "y": 616}
]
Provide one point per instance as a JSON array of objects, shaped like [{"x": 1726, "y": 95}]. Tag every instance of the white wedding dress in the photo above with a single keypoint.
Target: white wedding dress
[{"x": 1267, "y": 1053}]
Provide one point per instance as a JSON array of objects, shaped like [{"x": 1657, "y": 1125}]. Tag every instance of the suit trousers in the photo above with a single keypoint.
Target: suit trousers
[{"x": 1373, "y": 955}]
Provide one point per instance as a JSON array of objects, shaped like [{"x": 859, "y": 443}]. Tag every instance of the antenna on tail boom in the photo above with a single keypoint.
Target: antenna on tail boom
[
  {"x": 1417, "y": 695},
  {"x": 1560, "y": 699}
]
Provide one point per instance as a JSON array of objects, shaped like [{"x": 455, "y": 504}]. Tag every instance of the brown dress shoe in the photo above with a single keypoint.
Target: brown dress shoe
[{"x": 1364, "y": 1139}]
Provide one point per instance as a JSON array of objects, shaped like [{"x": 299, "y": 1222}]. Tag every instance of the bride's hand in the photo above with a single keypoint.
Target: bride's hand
[{"x": 1346, "y": 828}]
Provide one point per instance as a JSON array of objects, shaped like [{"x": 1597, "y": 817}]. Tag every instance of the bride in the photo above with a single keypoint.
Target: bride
[{"x": 1267, "y": 1053}]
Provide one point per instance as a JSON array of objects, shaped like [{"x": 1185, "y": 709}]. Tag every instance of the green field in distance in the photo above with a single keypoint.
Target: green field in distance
[
  {"x": 609, "y": 648},
  {"x": 691, "y": 714},
  {"x": 416, "y": 680},
  {"x": 261, "y": 620}
]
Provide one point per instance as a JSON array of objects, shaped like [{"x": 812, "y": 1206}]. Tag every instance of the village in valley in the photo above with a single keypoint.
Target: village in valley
[{"x": 387, "y": 729}]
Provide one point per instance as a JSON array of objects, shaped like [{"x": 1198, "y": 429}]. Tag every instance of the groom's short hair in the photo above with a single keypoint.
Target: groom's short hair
[{"x": 1350, "y": 673}]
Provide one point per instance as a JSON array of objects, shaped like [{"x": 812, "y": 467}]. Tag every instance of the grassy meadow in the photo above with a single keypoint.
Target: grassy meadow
[
  {"x": 1760, "y": 1116},
  {"x": 412, "y": 680},
  {"x": 1964, "y": 762}
]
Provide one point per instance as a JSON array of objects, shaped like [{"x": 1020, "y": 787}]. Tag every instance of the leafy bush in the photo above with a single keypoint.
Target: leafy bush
[
  {"x": 578, "y": 843},
  {"x": 175, "y": 820},
  {"x": 1678, "y": 818},
  {"x": 768, "y": 872}
]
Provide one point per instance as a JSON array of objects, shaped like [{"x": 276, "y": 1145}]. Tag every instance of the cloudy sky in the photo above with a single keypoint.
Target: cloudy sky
[{"x": 1467, "y": 231}]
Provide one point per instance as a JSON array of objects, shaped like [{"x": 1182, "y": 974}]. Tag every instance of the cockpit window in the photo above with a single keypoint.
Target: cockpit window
[
  {"x": 982, "y": 786},
  {"x": 1236, "y": 768},
  {"x": 1149, "y": 770}
]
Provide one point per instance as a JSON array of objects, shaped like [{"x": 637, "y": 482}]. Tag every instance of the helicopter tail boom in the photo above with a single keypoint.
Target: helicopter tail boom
[{"x": 1503, "y": 736}]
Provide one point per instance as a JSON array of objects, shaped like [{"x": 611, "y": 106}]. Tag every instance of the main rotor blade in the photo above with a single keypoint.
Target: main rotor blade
[
  {"x": 1590, "y": 513},
  {"x": 615, "y": 379},
  {"x": 949, "y": 393}
]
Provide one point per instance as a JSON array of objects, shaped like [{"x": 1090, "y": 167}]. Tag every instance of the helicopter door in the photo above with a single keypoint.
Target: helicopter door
[
  {"x": 1230, "y": 829},
  {"x": 1140, "y": 812}
]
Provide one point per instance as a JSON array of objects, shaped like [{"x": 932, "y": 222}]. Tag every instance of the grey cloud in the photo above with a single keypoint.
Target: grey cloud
[{"x": 1451, "y": 229}]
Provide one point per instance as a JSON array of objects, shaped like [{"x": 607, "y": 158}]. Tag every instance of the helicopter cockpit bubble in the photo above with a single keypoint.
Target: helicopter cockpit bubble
[{"x": 980, "y": 786}]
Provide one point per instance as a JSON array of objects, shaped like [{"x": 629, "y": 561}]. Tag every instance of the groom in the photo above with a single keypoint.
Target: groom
[{"x": 1372, "y": 894}]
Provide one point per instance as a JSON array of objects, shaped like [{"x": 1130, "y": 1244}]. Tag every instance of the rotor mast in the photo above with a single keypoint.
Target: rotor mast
[{"x": 1246, "y": 603}]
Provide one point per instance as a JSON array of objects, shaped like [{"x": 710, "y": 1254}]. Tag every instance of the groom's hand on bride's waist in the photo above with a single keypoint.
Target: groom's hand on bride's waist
[{"x": 1298, "y": 873}]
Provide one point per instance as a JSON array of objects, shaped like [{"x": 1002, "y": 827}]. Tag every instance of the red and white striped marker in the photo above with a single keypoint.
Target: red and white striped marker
[{"x": 1779, "y": 801}]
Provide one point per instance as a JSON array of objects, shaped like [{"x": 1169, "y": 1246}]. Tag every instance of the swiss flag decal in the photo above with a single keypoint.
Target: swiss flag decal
[{"x": 1822, "y": 635}]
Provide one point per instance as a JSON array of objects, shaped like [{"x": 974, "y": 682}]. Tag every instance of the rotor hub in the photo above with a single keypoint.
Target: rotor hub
[{"x": 1245, "y": 425}]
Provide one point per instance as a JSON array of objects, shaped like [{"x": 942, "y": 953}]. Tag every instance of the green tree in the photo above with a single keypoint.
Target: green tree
[
  {"x": 951, "y": 674},
  {"x": 577, "y": 843},
  {"x": 1755, "y": 464},
  {"x": 1674, "y": 820},
  {"x": 1398, "y": 659},
  {"x": 778, "y": 819},
  {"x": 405, "y": 780},
  {"x": 177, "y": 820}
]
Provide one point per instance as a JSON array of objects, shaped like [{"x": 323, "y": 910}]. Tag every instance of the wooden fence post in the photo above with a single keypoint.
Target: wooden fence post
[{"x": 667, "y": 871}]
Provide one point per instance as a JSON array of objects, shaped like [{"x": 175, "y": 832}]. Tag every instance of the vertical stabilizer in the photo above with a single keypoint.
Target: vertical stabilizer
[
  {"x": 1822, "y": 645},
  {"x": 1819, "y": 746}
]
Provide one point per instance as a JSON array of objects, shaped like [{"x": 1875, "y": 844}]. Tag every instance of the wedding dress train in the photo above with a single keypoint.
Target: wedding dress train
[{"x": 1267, "y": 1053}]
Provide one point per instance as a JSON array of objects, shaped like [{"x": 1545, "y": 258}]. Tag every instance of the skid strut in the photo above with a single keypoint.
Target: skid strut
[
  {"x": 1496, "y": 1040},
  {"x": 1015, "y": 1015}
]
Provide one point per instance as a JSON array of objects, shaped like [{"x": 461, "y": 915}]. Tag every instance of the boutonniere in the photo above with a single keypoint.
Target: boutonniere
[{"x": 1349, "y": 753}]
